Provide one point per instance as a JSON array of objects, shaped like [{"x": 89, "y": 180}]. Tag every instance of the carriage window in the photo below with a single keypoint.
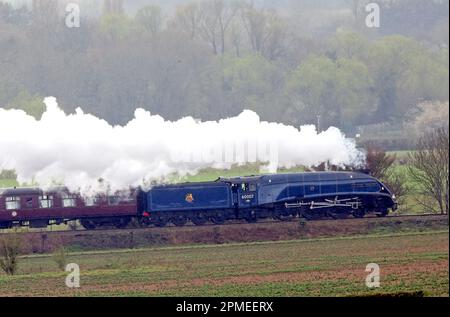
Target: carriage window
[
  {"x": 29, "y": 202},
  {"x": 89, "y": 201},
  {"x": 92, "y": 201},
  {"x": 127, "y": 199},
  {"x": 12, "y": 202},
  {"x": 68, "y": 200},
  {"x": 113, "y": 200},
  {"x": 46, "y": 201}
]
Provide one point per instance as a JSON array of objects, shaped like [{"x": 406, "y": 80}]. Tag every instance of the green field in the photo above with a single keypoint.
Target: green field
[
  {"x": 399, "y": 154},
  {"x": 318, "y": 267},
  {"x": 203, "y": 175},
  {"x": 4, "y": 183},
  {"x": 211, "y": 174}
]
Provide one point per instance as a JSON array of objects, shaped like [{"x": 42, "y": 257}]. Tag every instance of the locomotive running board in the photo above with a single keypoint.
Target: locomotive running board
[{"x": 328, "y": 203}]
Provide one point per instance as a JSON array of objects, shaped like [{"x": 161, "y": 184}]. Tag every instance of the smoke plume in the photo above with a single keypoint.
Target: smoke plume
[{"x": 79, "y": 149}]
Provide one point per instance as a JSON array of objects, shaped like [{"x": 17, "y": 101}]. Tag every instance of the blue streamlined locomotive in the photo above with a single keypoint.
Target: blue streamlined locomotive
[{"x": 281, "y": 196}]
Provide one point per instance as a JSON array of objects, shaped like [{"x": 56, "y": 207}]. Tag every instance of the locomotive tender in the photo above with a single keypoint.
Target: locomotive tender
[{"x": 280, "y": 196}]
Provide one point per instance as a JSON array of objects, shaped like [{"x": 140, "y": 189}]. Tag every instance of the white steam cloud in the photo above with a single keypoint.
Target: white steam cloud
[{"x": 79, "y": 149}]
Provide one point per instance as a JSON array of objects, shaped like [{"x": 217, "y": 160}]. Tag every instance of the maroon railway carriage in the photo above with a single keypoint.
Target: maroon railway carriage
[{"x": 38, "y": 209}]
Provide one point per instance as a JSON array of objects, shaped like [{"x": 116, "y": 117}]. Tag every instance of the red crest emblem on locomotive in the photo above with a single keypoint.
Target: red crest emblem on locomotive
[{"x": 190, "y": 198}]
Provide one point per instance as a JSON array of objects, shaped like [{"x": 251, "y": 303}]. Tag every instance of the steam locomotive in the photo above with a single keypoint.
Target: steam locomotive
[{"x": 314, "y": 195}]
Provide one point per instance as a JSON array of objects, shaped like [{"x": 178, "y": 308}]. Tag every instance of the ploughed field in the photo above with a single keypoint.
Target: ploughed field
[{"x": 409, "y": 262}]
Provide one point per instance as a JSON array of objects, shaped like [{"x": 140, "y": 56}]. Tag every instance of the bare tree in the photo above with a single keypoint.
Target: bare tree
[
  {"x": 45, "y": 13},
  {"x": 429, "y": 170},
  {"x": 265, "y": 30},
  {"x": 217, "y": 16},
  {"x": 356, "y": 6},
  {"x": 60, "y": 257},
  {"x": 150, "y": 17},
  {"x": 188, "y": 18},
  {"x": 236, "y": 39},
  {"x": 9, "y": 252},
  {"x": 397, "y": 184},
  {"x": 378, "y": 161},
  {"x": 113, "y": 6}
]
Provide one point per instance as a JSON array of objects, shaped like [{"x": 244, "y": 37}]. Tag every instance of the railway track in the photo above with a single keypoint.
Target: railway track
[{"x": 233, "y": 223}]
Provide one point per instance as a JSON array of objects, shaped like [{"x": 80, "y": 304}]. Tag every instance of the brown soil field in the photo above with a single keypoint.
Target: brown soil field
[{"x": 409, "y": 263}]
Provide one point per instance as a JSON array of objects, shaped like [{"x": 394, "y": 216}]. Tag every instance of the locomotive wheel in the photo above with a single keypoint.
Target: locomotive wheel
[
  {"x": 160, "y": 221},
  {"x": 218, "y": 219},
  {"x": 282, "y": 215},
  {"x": 199, "y": 219},
  {"x": 286, "y": 218},
  {"x": 283, "y": 218},
  {"x": 179, "y": 220},
  {"x": 382, "y": 214},
  {"x": 88, "y": 224},
  {"x": 339, "y": 215},
  {"x": 144, "y": 222},
  {"x": 310, "y": 216},
  {"x": 122, "y": 223},
  {"x": 251, "y": 217},
  {"x": 359, "y": 214},
  {"x": 5, "y": 225}
]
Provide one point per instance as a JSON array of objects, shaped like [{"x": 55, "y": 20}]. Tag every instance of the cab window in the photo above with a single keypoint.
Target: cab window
[
  {"x": 246, "y": 187},
  {"x": 12, "y": 202}
]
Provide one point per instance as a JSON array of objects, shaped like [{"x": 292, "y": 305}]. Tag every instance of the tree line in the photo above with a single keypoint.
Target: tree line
[{"x": 212, "y": 59}]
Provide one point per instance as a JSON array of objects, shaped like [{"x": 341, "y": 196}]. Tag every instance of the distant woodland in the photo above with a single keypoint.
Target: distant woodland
[{"x": 296, "y": 62}]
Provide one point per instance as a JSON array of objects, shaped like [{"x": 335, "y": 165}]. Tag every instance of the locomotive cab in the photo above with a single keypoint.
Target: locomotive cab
[
  {"x": 247, "y": 195},
  {"x": 244, "y": 191}
]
